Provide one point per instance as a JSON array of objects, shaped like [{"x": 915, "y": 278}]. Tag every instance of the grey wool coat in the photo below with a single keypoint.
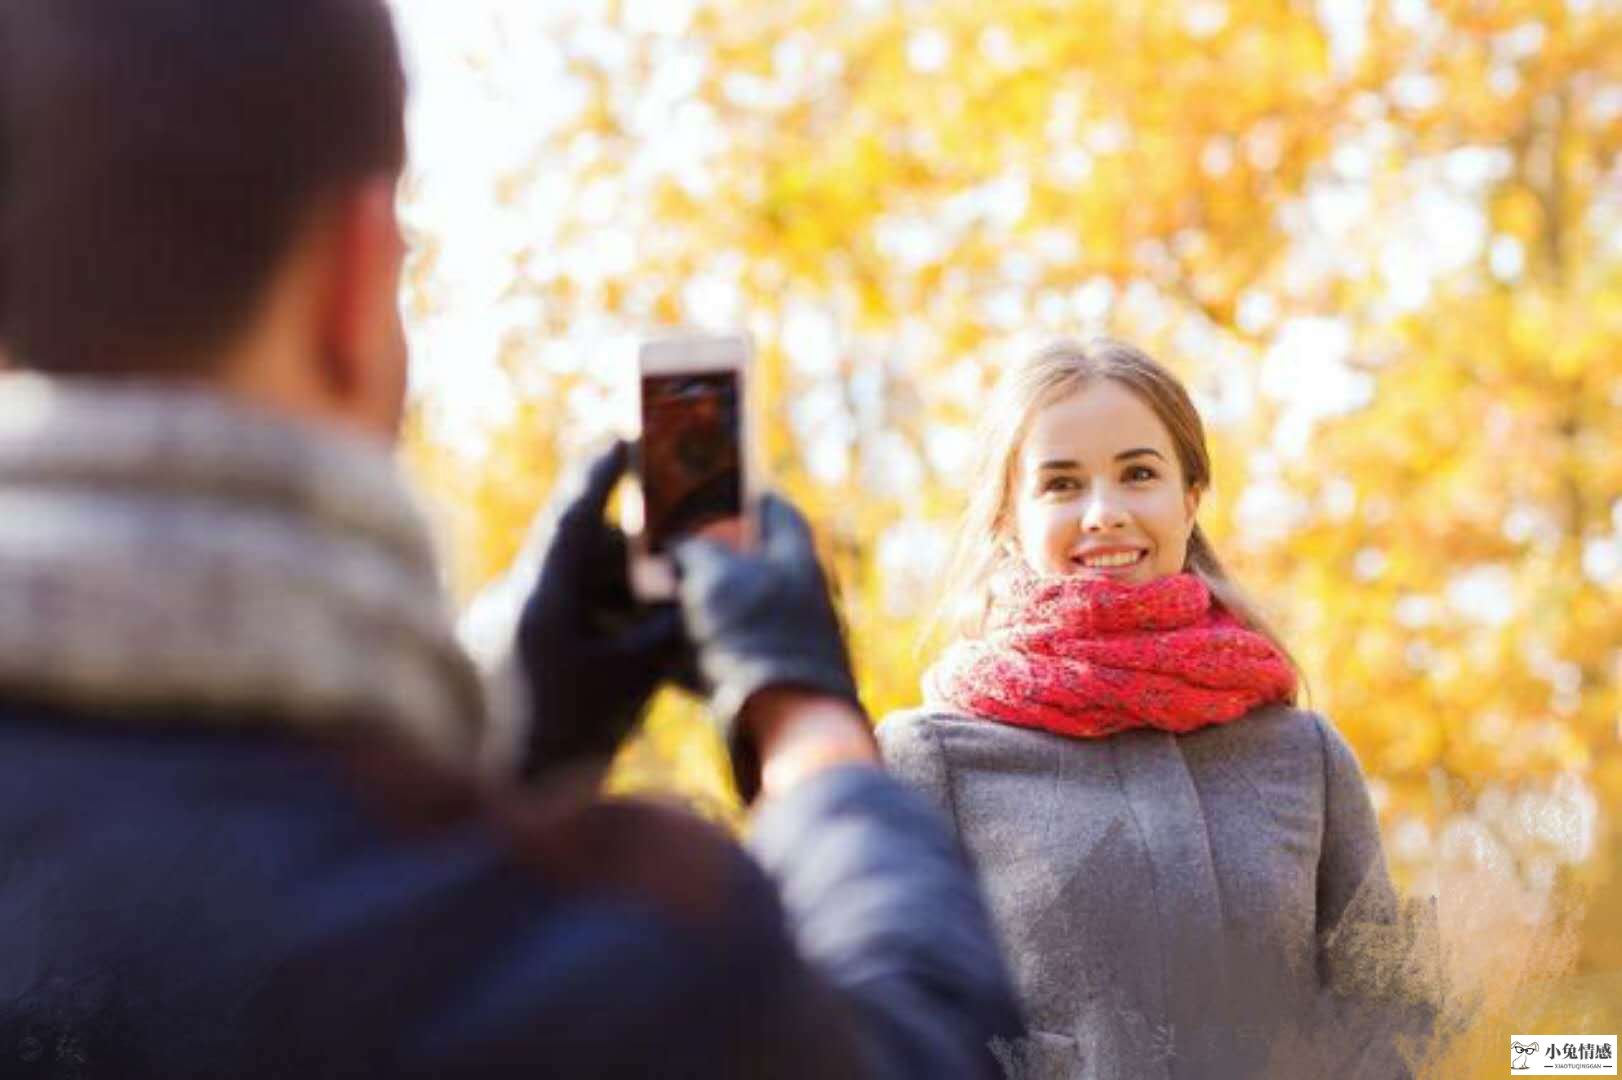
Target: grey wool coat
[{"x": 1206, "y": 905}]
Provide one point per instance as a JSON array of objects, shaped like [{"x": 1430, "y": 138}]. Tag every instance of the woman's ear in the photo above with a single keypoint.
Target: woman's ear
[{"x": 1191, "y": 503}]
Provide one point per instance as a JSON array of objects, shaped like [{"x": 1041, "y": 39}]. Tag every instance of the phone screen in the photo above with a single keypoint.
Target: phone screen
[{"x": 691, "y": 460}]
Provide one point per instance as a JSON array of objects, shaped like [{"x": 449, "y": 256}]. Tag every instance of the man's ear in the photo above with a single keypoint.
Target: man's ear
[{"x": 361, "y": 293}]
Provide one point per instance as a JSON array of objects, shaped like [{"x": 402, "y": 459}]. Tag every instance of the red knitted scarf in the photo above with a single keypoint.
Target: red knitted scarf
[{"x": 1087, "y": 658}]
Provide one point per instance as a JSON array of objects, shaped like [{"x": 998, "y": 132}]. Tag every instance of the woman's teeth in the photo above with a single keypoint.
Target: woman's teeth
[{"x": 1104, "y": 562}]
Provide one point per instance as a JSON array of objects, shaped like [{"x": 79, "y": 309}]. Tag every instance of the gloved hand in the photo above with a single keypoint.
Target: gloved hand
[
  {"x": 592, "y": 655},
  {"x": 761, "y": 619}
]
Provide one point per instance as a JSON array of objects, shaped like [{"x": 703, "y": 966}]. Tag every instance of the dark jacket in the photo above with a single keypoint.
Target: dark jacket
[{"x": 191, "y": 902}]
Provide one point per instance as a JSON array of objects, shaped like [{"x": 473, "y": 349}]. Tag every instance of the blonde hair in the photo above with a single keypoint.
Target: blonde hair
[{"x": 981, "y": 548}]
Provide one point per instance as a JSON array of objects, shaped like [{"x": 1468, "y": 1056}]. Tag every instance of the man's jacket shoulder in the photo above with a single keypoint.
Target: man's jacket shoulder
[{"x": 195, "y": 898}]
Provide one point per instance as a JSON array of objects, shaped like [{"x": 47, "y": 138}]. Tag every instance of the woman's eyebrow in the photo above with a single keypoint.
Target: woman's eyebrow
[
  {"x": 1141, "y": 451},
  {"x": 1058, "y": 464}
]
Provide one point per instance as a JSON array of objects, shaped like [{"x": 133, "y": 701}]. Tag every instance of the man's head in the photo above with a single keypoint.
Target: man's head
[{"x": 204, "y": 190}]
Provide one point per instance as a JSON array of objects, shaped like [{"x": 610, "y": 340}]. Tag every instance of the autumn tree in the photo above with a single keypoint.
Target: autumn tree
[{"x": 1378, "y": 241}]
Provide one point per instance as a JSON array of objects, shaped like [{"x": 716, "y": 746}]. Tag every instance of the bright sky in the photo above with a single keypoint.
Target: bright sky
[{"x": 485, "y": 86}]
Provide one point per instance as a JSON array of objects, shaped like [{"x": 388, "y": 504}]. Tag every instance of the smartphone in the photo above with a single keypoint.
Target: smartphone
[{"x": 693, "y": 461}]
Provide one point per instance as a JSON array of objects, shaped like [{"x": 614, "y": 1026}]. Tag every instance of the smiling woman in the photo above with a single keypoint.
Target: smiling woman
[
  {"x": 1184, "y": 868},
  {"x": 1114, "y": 401},
  {"x": 1100, "y": 491}
]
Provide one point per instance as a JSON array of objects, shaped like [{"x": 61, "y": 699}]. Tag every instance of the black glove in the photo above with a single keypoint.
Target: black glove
[
  {"x": 593, "y": 656},
  {"x": 761, "y": 619}
]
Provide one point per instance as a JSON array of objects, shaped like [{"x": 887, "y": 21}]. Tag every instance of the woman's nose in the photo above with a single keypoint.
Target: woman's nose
[{"x": 1101, "y": 511}]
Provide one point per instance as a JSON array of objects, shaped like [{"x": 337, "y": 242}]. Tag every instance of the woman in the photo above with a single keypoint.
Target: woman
[{"x": 1184, "y": 868}]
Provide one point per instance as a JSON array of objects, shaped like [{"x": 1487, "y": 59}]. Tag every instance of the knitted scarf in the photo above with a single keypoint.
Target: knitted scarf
[
  {"x": 1088, "y": 658},
  {"x": 165, "y": 553}
]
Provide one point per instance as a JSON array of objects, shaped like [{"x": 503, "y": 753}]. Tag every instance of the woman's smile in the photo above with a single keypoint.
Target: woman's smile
[
  {"x": 1114, "y": 561},
  {"x": 1100, "y": 490}
]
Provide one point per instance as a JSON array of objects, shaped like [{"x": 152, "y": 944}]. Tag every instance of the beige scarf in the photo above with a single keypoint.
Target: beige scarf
[{"x": 164, "y": 552}]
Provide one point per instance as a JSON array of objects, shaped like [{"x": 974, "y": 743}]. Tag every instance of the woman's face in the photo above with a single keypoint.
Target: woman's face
[{"x": 1099, "y": 491}]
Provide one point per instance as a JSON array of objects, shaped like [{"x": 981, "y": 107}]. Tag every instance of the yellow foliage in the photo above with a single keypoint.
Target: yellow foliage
[{"x": 938, "y": 184}]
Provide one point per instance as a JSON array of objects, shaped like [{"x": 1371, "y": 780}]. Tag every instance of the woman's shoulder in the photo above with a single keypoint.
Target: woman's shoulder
[
  {"x": 917, "y": 722},
  {"x": 1280, "y": 742},
  {"x": 931, "y": 738},
  {"x": 1305, "y": 726},
  {"x": 1283, "y": 723},
  {"x": 911, "y": 745},
  {"x": 929, "y": 741},
  {"x": 911, "y": 735},
  {"x": 938, "y": 743},
  {"x": 937, "y": 728}
]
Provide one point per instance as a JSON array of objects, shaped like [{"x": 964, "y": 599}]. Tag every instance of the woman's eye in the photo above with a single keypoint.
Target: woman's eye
[
  {"x": 1060, "y": 483},
  {"x": 1139, "y": 472}
]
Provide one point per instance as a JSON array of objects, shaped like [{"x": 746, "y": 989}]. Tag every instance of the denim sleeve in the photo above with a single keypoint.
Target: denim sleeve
[{"x": 882, "y": 905}]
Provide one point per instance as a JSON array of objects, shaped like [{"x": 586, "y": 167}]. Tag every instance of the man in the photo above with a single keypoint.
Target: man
[{"x": 248, "y": 825}]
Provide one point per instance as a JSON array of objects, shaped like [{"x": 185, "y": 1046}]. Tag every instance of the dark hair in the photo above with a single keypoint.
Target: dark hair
[{"x": 159, "y": 157}]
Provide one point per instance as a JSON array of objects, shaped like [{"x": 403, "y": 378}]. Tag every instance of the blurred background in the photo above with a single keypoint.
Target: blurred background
[{"x": 1381, "y": 241}]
